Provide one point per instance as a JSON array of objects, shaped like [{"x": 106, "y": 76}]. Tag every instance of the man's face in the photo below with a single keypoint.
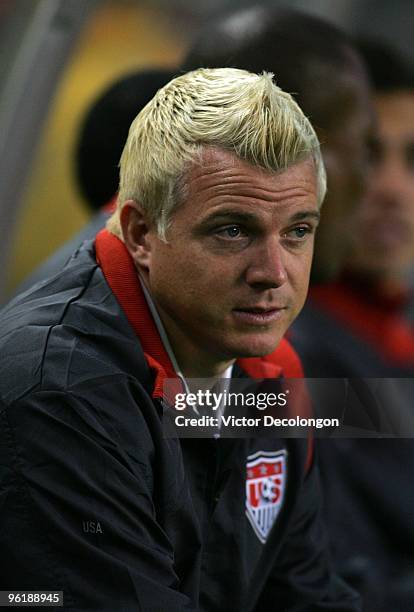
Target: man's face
[
  {"x": 234, "y": 273},
  {"x": 345, "y": 139},
  {"x": 384, "y": 225}
]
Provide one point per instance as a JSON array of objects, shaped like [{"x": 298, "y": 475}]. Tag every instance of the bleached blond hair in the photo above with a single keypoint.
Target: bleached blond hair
[{"x": 228, "y": 108}]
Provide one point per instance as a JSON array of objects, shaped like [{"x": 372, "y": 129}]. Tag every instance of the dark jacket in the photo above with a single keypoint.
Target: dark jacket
[{"x": 95, "y": 501}]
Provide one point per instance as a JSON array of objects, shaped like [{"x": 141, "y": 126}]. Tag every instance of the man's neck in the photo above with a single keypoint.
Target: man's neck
[{"x": 186, "y": 364}]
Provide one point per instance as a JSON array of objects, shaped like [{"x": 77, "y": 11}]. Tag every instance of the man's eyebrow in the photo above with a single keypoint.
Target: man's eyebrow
[
  {"x": 234, "y": 215},
  {"x": 306, "y": 214}
]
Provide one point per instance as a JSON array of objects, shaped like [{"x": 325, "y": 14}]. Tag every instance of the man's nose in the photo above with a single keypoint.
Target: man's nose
[{"x": 267, "y": 268}]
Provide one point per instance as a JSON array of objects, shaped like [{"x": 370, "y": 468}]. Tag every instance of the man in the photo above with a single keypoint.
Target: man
[{"x": 203, "y": 267}]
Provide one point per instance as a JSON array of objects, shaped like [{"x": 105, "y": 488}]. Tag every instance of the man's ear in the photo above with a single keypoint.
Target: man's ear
[{"x": 135, "y": 230}]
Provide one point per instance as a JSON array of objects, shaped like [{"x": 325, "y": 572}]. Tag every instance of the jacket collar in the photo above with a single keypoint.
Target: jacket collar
[{"x": 121, "y": 275}]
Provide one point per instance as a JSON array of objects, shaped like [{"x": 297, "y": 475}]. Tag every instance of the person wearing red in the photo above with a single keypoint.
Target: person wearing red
[
  {"x": 369, "y": 303},
  {"x": 363, "y": 328}
]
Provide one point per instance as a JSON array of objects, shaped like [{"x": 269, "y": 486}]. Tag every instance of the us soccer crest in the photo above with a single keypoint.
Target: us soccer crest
[{"x": 265, "y": 488}]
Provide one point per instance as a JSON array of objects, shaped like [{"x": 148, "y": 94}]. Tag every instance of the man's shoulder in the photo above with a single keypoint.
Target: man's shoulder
[{"x": 65, "y": 331}]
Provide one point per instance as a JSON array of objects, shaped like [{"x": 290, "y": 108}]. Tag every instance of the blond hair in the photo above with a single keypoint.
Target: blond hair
[{"x": 232, "y": 109}]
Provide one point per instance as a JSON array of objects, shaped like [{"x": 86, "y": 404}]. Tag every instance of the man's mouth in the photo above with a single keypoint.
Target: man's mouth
[{"x": 258, "y": 315}]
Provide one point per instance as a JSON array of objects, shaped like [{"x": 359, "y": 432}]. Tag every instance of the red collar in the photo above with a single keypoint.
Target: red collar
[{"x": 120, "y": 273}]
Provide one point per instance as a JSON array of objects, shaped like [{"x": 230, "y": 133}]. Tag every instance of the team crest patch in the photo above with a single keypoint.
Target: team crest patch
[{"x": 265, "y": 488}]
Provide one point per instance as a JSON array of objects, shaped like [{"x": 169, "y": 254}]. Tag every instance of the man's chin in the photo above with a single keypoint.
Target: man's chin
[{"x": 259, "y": 347}]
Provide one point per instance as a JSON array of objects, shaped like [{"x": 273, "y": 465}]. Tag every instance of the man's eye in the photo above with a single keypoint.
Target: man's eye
[
  {"x": 299, "y": 232},
  {"x": 230, "y": 231}
]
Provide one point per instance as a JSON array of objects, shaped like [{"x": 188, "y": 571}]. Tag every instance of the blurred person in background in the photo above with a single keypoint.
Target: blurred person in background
[
  {"x": 104, "y": 130},
  {"x": 366, "y": 309},
  {"x": 362, "y": 327},
  {"x": 102, "y": 136}
]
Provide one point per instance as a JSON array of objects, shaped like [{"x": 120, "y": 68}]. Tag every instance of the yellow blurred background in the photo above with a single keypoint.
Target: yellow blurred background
[{"x": 119, "y": 38}]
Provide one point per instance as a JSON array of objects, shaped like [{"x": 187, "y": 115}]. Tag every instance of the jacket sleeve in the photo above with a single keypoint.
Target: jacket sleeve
[
  {"x": 77, "y": 511},
  {"x": 303, "y": 580}
]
